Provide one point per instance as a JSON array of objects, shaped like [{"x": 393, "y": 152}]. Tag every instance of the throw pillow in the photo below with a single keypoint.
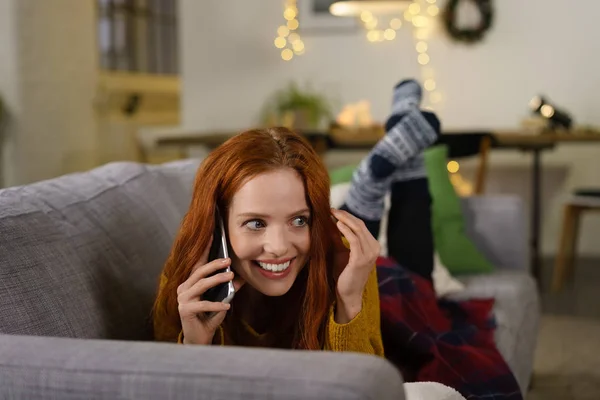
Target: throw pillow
[
  {"x": 443, "y": 282},
  {"x": 342, "y": 174},
  {"x": 456, "y": 250}
]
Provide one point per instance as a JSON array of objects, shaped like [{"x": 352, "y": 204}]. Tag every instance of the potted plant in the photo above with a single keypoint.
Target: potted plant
[{"x": 298, "y": 108}]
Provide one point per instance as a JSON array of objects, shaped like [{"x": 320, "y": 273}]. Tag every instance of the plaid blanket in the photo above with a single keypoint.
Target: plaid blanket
[{"x": 439, "y": 340}]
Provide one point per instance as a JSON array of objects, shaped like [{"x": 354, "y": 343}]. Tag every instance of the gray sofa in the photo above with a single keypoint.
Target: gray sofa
[{"x": 79, "y": 261}]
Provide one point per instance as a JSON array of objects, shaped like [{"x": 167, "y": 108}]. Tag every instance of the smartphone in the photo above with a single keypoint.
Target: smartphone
[{"x": 223, "y": 292}]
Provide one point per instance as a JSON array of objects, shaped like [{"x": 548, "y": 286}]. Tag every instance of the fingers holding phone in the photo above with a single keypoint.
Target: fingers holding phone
[
  {"x": 200, "y": 317},
  {"x": 205, "y": 296}
]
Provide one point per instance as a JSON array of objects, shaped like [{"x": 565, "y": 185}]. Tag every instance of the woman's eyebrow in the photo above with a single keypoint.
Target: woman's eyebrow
[{"x": 259, "y": 215}]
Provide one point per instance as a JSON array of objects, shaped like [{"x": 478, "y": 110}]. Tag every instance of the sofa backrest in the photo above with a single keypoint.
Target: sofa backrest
[{"x": 80, "y": 255}]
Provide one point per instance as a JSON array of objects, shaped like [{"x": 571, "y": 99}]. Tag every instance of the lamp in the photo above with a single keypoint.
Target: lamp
[
  {"x": 557, "y": 118},
  {"x": 354, "y": 8}
]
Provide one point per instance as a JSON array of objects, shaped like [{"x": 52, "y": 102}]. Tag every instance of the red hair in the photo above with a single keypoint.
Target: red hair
[{"x": 219, "y": 177}]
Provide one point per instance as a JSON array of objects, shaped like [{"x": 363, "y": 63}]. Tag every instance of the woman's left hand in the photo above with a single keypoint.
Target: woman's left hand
[{"x": 364, "y": 250}]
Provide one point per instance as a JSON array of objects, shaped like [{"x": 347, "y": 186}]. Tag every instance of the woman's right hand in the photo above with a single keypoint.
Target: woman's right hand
[{"x": 198, "y": 327}]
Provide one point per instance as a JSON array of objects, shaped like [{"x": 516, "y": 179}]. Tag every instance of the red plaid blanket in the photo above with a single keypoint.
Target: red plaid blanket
[{"x": 439, "y": 340}]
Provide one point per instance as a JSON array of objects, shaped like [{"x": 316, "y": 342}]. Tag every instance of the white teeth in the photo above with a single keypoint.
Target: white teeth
[{"x": 274, "y": 267}]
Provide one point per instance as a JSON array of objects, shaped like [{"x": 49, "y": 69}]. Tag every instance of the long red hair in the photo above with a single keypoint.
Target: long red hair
[{"x": 219, "y": 177}]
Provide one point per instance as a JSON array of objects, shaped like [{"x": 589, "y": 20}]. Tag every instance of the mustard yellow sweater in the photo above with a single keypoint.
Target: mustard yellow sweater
[{"x": 361, "y": 335}]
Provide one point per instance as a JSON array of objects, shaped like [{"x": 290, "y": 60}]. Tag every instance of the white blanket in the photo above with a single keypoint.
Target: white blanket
[{"x": 430, "y": 391}]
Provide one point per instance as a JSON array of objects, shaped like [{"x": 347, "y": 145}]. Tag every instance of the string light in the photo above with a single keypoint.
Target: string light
[
  {"x": 414, "y": 8},
  {"x": 433, "y": 10},
  {"x": 287, "y": 54},
  {"x": 420, "y": 14},
  {"x": 396, "y": 23},
  {"x": 430, "y": 85},
  {"x": 423, "y": 59},
  {"x": 371, "y": 24},
  {"x": 382, "y": 27},
  {"x": 389, "y": 34},
  {"x": 453, "y": 167},
  {"x": 283, "y": 31},
  {"x": 287, "y": 39},
  {"x": 280, "y": 42}
]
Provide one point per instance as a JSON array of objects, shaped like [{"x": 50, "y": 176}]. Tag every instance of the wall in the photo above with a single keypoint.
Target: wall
[
  {"x": 9, "y": 79},
  {"x": 57, "y": 52},
  {"x": 230, "y": 65},
  {"x": 51, "y": 77}
]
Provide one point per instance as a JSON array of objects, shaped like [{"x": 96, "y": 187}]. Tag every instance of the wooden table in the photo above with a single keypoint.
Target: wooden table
[
  {"x": 534, "y": 143},
  {"x": 319, "y": 139}
]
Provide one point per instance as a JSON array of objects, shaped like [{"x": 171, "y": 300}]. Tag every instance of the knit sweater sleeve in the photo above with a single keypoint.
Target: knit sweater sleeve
[{"x": 363, "y": 333}]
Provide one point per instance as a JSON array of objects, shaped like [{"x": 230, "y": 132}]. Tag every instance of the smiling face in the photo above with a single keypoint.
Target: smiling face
[{"x": 268, "y": 227}]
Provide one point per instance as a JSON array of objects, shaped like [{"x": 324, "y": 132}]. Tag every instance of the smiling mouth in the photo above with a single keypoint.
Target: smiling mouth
[{"x": 274, "y": 267}]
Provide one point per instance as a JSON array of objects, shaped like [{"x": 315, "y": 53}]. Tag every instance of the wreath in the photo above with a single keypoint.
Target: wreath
[{"x": 469, "y": 36}]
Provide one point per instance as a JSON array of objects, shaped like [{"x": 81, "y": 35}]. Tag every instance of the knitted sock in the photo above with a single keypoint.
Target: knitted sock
[
  {"x": 407, "y": 95},
  {"x": 408, "y": 138}
]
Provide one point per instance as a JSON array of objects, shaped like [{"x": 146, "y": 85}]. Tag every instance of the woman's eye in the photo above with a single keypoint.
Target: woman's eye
[
  {"x": 254, "y": 225},
  {"x": 300, "y": 221}
]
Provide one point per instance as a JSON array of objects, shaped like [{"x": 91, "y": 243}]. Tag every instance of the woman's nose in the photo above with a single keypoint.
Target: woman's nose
[{"x": 276, "y": 242}]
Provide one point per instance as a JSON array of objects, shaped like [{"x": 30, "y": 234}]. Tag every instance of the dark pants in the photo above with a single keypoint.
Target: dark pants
[{"x": 409, "y": 233}]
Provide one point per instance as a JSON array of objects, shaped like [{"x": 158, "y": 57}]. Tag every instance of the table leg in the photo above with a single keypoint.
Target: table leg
[{"x": 536, "y": 208}]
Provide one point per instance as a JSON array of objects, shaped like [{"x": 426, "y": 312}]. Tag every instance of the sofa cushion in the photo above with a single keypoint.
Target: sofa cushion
[
  {"x": 80, "y": 254},
  {"x": 454, "y": 246}
]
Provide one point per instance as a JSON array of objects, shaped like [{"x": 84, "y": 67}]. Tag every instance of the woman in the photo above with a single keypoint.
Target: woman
[{"x": 297, "y": 285}]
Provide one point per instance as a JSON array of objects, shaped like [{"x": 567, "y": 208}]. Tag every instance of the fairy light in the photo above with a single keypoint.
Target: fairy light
[
  {"x": 414, "y": 8},
  {"x": 287, "y": 54},
  {"x": 294, "y": 37},
  {"x": 453, "y": 167},
  {"x": 396, "y": 23},
  {"x": 423, "y": 59},
  {"x": 288, "y": 40},
  {"x": 421, "y": 14},
  {"x": 384, "y": 28},
  {"x": 280, "y": 42},
  {"x": 389, "y": 34},
  {"x": 429, "y": 85},
  {"x": 433, "y": 10},
  {"x": 371, "y": 24},
  {"x": 283, "y": 31}
]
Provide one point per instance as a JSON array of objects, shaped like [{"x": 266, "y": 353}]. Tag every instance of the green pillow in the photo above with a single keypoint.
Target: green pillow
[
  {"x": 342, "y": 174},
  {"x": 455, "y": 249}
]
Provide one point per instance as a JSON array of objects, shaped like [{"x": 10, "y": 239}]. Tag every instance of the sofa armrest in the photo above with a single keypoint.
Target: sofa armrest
[
  {"x": 33, "y": 367},
  {"x": 497, "y": 225}
]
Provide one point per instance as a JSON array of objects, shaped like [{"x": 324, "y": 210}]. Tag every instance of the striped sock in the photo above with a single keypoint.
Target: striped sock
[
  {"x": 398, "y": 150},
  {"x": 407, "y": 95}
]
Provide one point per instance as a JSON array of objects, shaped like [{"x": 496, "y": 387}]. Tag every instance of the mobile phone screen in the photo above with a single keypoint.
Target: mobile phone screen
[{"x": 218, "y": 249}]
